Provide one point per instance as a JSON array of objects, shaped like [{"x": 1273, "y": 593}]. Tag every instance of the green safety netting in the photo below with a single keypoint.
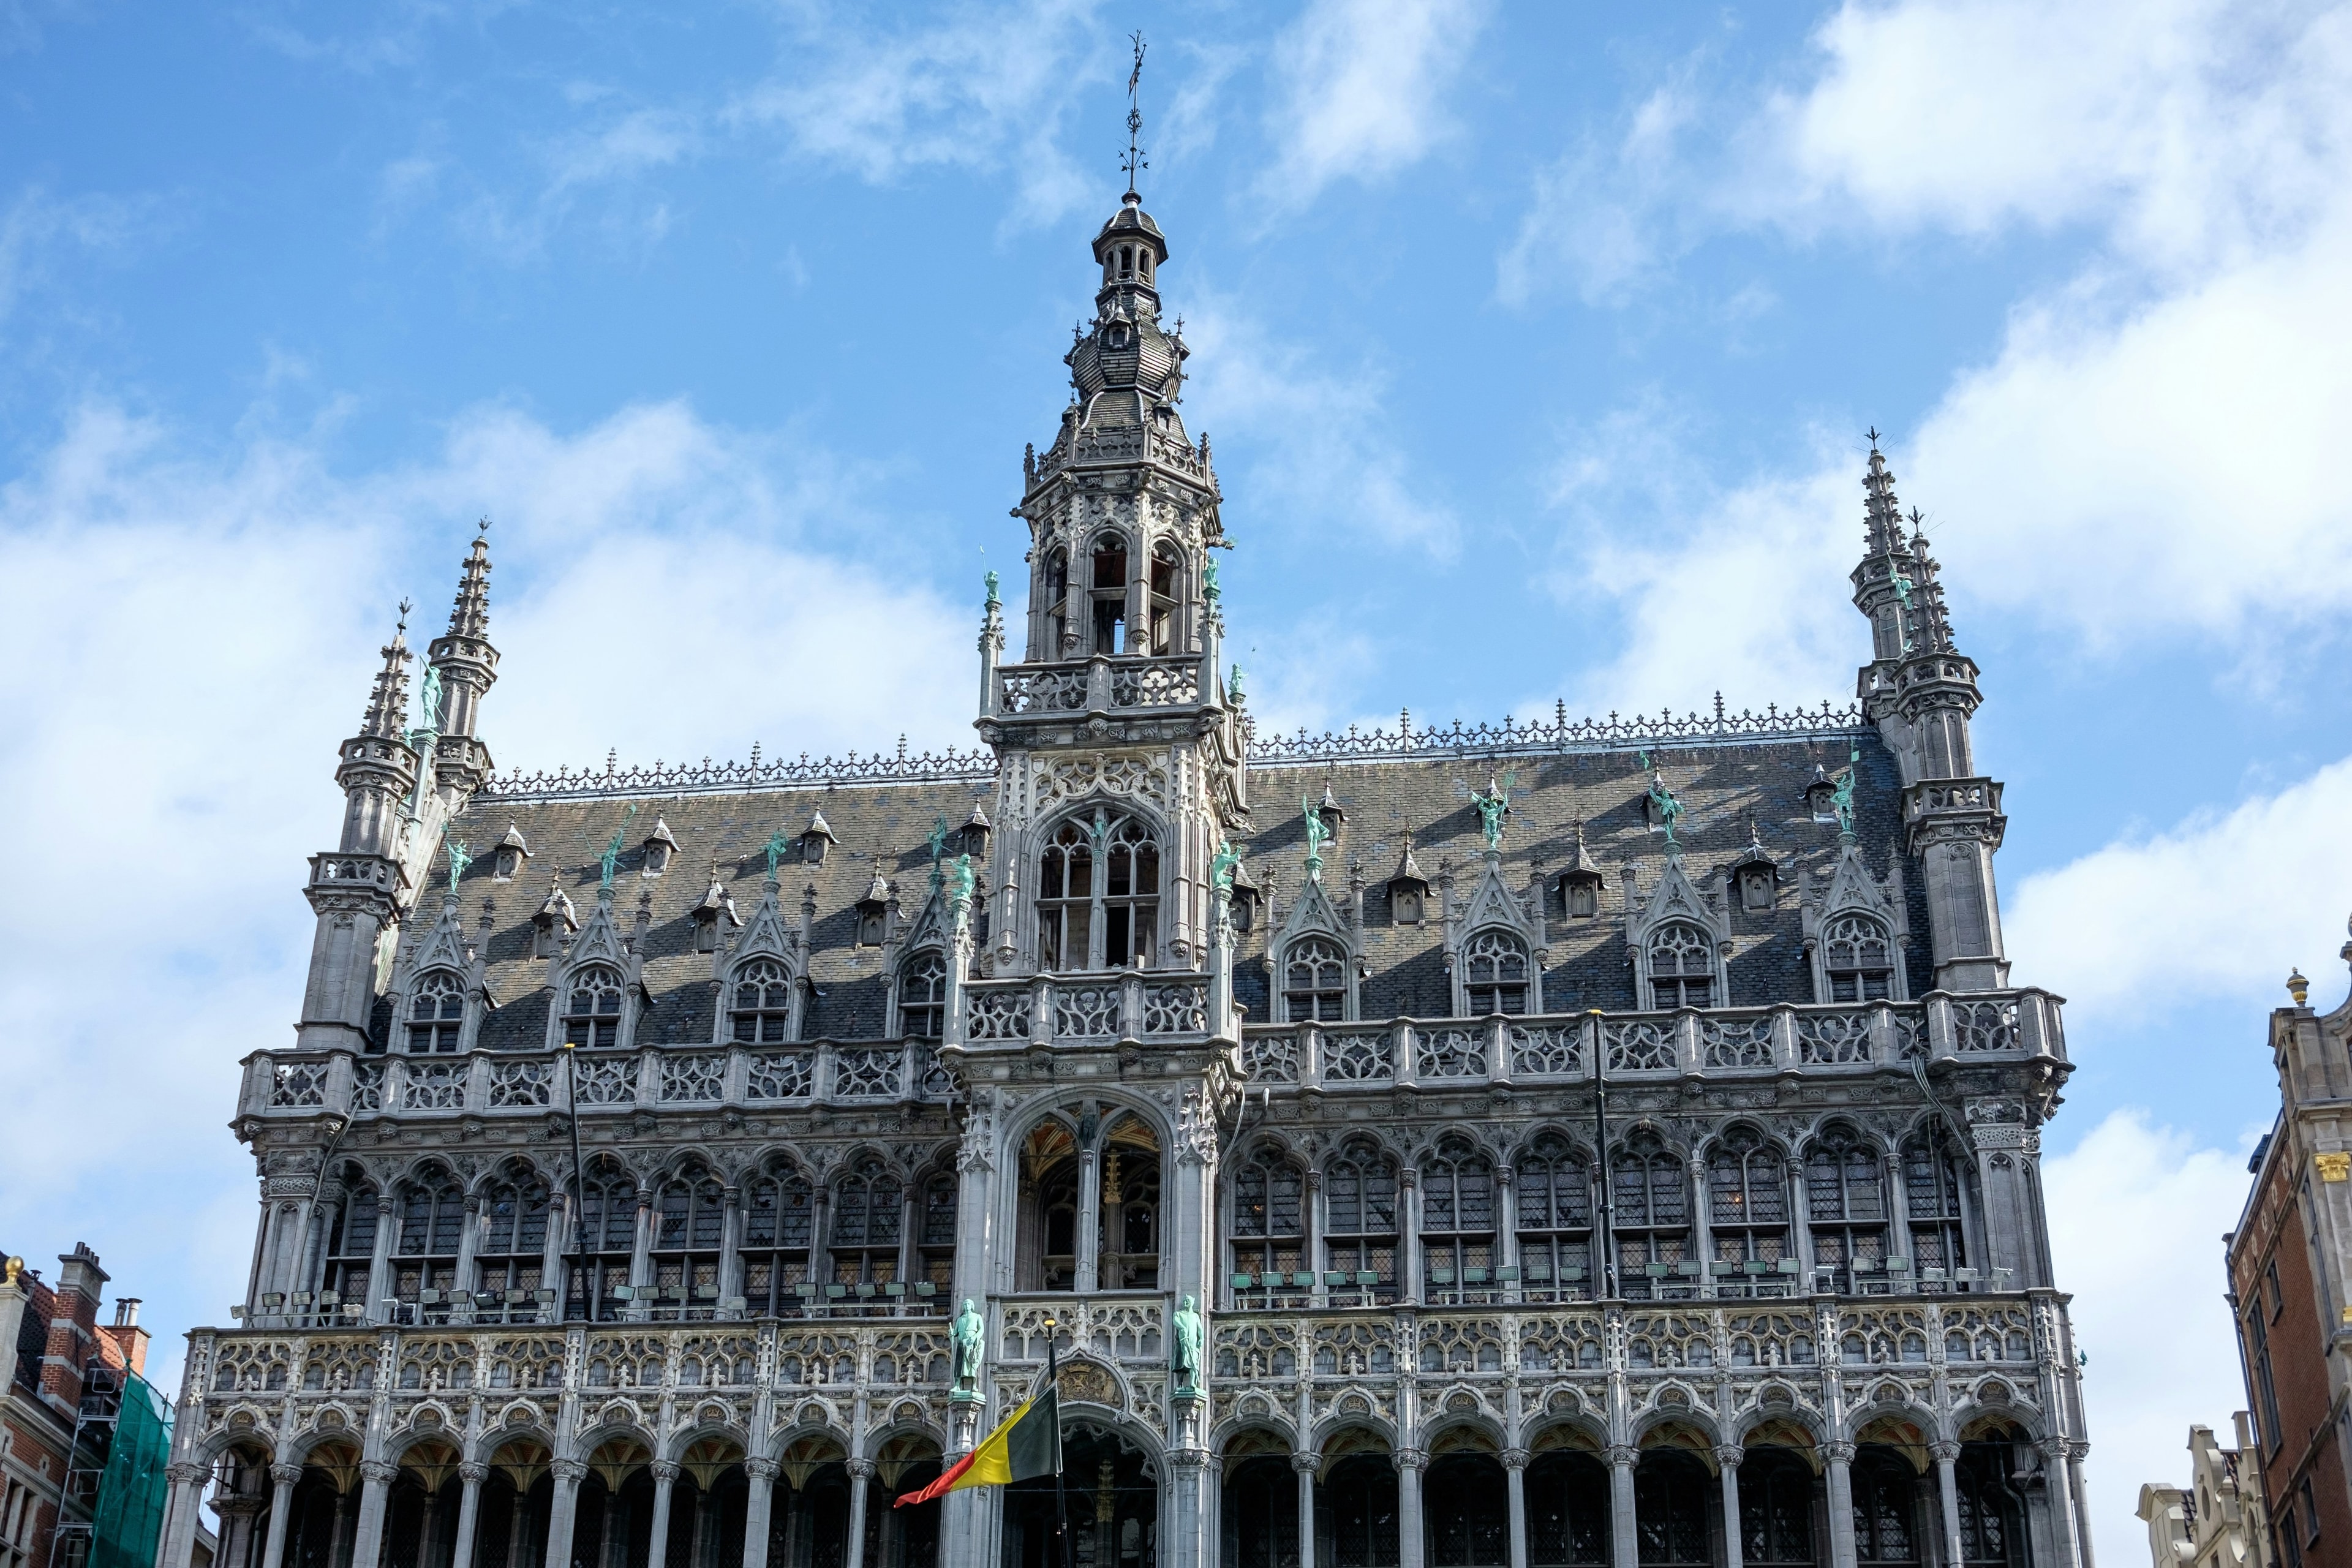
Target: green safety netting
[{"x": 131, "y": 1493}]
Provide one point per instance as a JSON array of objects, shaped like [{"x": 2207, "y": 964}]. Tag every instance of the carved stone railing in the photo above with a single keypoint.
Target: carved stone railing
[
  {"x": 1727, "y": 1042},
  {"x": 492, "y": 1084},
  {"x": 1100, "y": 684},
  {"x": 1147, "y": 1006}
]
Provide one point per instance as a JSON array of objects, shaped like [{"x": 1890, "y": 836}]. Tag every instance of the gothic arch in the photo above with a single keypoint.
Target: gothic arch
[
  {"x": 1101, "y": 874},
  {"x": 1689, "y": 1426}
]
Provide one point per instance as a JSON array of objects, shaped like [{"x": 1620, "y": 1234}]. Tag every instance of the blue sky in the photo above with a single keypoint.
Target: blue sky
[{"x": 1537, "y": 344}]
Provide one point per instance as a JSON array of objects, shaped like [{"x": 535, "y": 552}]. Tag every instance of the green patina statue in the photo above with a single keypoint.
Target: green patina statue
[
  {"x": 1663, "y": 801},
  {"x": 776, "y": 842},
  {"x": 1222, "y": 867},
  {"x": 428, "y": 705},
  {"x": 459, "y": 860},
  {"x": 1184, "y": 1342},
  {"x": 1842, "y": 798},
  {"x": 1233, "y": 687},
  {"x": 960, "y": 882},
  {"x": 1318, "y": 834},
  {"x": 1208, "y": 589},
  {"x": 992, "y": 600},
  {"x": 1493, "y": 806},
  {"x": 1902, "y": 591},
  {"x": 968, "y": 1333},
  {"x": 612, "y": 857}
]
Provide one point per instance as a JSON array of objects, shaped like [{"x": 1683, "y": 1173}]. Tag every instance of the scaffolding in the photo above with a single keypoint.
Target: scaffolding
[{"x": 111, "y": 1508}]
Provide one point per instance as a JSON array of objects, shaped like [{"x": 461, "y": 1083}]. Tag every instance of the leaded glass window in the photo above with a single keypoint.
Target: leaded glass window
[
  {"x": 1555, "y": 1188},
  {"x": 1360, "y": 1189},
  {"x": 1651, "y": 1223},
  {"x": 760, "y": 1003},
  {"x": 1269, "y": 1217},
  {"x": 591, "y": 1008},
  {"x": 1457, "y": 1216},
  {"x": 1931, "y": 1201},
  {"x": 690, "y": 1227},
  {"x": 923, "y": 994},
  {"x": 1748, "y": 1198},
  {"x": 779, "y": 1208},
  {"x": 1495, "y": 974},
  {"x": 1682, "y": 967},
  {"x": 1099, "y": 895},
  {"x": 1845, "y": 1200},
  {"x": 436, "y": 1009},
  {"x": 1670, "y": 1510},
  {"x": 1314, "y": 981},
  {"x": 867, "y": 1217},
  {"x": 1859, "y": 959}
]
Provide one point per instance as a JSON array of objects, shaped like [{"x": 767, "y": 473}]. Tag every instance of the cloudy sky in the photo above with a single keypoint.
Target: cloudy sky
[{"x": 1537, "y": 344}]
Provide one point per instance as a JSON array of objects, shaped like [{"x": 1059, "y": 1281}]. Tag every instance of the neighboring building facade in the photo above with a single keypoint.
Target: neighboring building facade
[
  {"x": 2290, "y": 1262},
  {"x": 1539, "y": 1144},
  {"x": 2216, "y": 1521},
  {"x": 59, "y": 1351}
]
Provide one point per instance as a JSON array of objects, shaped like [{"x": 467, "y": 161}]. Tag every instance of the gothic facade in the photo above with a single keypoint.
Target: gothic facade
[{"x": 1554, "y": 1143}]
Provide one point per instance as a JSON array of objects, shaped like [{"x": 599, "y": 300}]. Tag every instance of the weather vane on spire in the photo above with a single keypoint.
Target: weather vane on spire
[{"x": 1133, "y": 163}]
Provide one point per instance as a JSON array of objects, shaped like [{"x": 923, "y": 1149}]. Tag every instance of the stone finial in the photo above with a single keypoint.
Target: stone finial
[
  {"x": 470, "y": 615},
  {"x": 386, "y": 717},
  {"x": 2299, "y": 988}
]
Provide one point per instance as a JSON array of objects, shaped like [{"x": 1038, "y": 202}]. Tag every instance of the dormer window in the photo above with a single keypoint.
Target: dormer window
[
  {"x": 1405, "y": 903},
  {"x": 659, "y": 847},
  {"x": 714, "y": 916},
  {"x": 873, "y": 911},
  {"x": 1756, "y": 888},
  {"x": 436, "y": 1008},
  {"x": 923, "y": 994},
  {"x": 1580, "y": 896},
  {"x": 1245, "y": 896},
  {"x": 814, "y": 838},
  {"x": 1408, "y": 888},
  {"x": 1859, "y": 959},
  {"x": 1497, "y": 980},
  {"x": 1820, "y": 796},
  {"x": 1315, "y": 982},
  {"x": 761, "y": 1010},
  {"x": 592, "y": 1009},
  {"x": 1682, "y": 967},
  {"x": 507, "y": 859},
  {"x": 552, "y": 926},
  {"x": 976, "y": 829}
]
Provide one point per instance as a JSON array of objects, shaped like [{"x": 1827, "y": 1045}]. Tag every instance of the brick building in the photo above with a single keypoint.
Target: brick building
[
  {"x": 59, "y": 1345},
  {"x": 2290, "y": 1263}
]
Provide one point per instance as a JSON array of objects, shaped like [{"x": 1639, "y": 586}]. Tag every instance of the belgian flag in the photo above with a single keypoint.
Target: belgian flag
[{"x": 1029, "y": 1444}]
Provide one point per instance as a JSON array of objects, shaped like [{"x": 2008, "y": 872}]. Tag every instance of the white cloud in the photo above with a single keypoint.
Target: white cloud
[
  {"x": 977, "y": 89},
  {"x": 1324, "y": 454},
  {"x": 2207, "y": 910},
  {"x": 2136, "y": 1213},
  {"x": 1360, "y": 87},
  {"x": 184, "y": 636},
  {"x": 38, "y": 225}
]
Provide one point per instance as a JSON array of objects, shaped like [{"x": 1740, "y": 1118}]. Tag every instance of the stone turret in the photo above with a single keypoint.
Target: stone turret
[
  {"x": 466, "y": 666},
  {"x": 1921, "y": 691}
]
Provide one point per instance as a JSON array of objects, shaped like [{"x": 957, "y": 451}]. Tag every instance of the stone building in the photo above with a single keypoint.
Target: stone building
[
  {"x": 2216, "y": 1521},
  {"x": 1563, "y": 1142},
  {"x": 2290, "y": 1267}
]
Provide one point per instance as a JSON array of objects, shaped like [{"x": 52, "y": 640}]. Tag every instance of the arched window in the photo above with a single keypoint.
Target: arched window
[
  {"x": 608, "y": 1222},
  {"x": 1261, "y": 1512},
  {"x": 1845, "y": 1202},
  {"x": 1496, "y": 973},
  {"x": 1360, "y": 1188},
  {"x": 1469, "y": 1511},
  {"x": 1314, "y": 981},
  {"x": 591, "y": 1008},
  {"x": 1555, "y": 1187},
  {"x": 1166, "y": 574},
  {"x": 1776, "y": 1510},
  {"x": 778, "y": 1209},
  {"x": 1885, "y": 1533},
  {"x": 1060, "y": 633},
  {"x": 1270, "y": 1221},
  {"x": 1049, "y": 1207},
  {"x": 1099, "y": 895},
  {"x": 1457, "y": 1218},
  {"x": 513, "y": 1249},
  {"x": 1128, "y": 1251},
  {"x": 351, "y": 1250},
  {"x": 1682, "y": 967},
  {"x": 923, "y": 995},
  {"x": 436, "y": 1007},
  {"x": 1355, "y": 1511},
  {"x": 430, "y": 1216},
  {"x": 1109, "y": 593},
  {"x": 690, "y": 1227},
  {"x": 868, "y": 1216},
  {"x": 761, "y": 1010},
  {"x": 1747, "y": 1199},
  {"x": 1931, "y": 1201},
  {"x": 1651, "y": 1225},
  {"x": 936, "y": 1262},
  {"x": 1670, "y": 1509},
  {"x": 1568, "y": 1510},
  {"x": 1993, "y": 1512},
  {"x": 1859, "y": 959}
]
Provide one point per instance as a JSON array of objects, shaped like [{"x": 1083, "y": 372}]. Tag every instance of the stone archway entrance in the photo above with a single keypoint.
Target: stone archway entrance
[{"x": 1113, "y": 1491}]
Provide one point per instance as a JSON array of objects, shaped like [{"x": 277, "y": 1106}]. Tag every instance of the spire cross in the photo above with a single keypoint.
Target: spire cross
[{"x": 1133, "y": 162}]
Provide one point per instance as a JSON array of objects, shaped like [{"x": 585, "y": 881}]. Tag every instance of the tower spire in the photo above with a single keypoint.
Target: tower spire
[
  {"x": 386, "y": 717},
  {"x": 467, "y": 666},
  {"x": 1882, "y": 513}
]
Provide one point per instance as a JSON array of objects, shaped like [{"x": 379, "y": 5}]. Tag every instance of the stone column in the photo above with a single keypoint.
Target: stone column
[
  {"x": 1306, "y": 1465},
  {"x": 338, "y": 1546},
  {"x": 1085, "y": 1229},
  {"x": 281, "y": 1508},
  {"x": 1726, "y": 1458},
  {"x": 375, "y": 1480},
  {"x": 641, "y": 1259},
  {"x": 1702, "y": 1228},
  {"x": 1506, "y": 1215},
  {"x": 237, "y": 1529},
  {"x": 731, "y": 1245},
  {"x": 2076, "y": 1453},
  {"x": 1409, "y": 1225},
  {"x": 1948, "y": 1487},
  {"x": 1312, "y": 1221},
  {"x": 1624, "y": 1542},
  {"x": 762, "y": 1475},
  {"x": 1898, "y": 1219},
  {"x": 561, "y": 1506},
  {"x": 427, "y": 1516},
  {"x": 470, "y": 1477},
  {"x": 380, "y": 1263},
  {"x": 2065, "y": 1524},
  {"x": 1514, "y": 1477},
  {"x": 657, "y": 1548},
  {"x": 861, "y": 1479},
  {"x": 1412, "y": 1549},
  {"x": 1840, "y": 1459}
]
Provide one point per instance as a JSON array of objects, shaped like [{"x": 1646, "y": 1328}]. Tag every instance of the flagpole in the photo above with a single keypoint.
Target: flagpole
[{"x": 1061, "y": 1496}]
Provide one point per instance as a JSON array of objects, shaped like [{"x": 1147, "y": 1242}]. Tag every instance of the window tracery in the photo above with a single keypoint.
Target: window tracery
[
  {"x": 1859, "y": 958},
  {"x": 689, "y": 1229},
  {"x": 1496, "y": 973},
  {"x": 1099, "y": 894},
  {"x": 1166, "y": 580},
  {"x": 923, "y": 995},
  {"x": 1931, "y": 1193},
  {"x": 1314, "y": 981},
  {"x": 514, "y": 1247},
  {"x": 1845, "y": 1201},
  {"x": 606, "y": 1245},
  {"x": 1457, "y": 1216},
  {"x": 591, "y": 1008},
  {"x": 351, "y": 1251},
  {"x": 1682, "y": 967},
  {"x": 436, "y": 1012},
  {"x": 1748, "y": 1198},
  {"x": 1555, "y": 1203},
  {"x": 1359, "y": 1243},
  {"x": 1651, "y": 1225},
  {"x": 868, "y": 1204},
  {"x": 779, "y": 1211},
  {"x": 1269, "y": 1218},
  {"x": 761, "y": 1002},
  {"x": 429, "y": 1220},
  {"x": 1128, "y": 1249}
]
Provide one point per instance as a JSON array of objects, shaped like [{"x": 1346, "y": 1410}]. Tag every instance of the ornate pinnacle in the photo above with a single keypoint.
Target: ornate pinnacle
[
  {"x": 387, "y": 708},
  {"x": 1883, "y": 514},
  {"x": 470, "y": 615}
]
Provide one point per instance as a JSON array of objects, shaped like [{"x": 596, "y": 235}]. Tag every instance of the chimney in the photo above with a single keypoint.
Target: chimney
[{"x": 126, "y": 1313}]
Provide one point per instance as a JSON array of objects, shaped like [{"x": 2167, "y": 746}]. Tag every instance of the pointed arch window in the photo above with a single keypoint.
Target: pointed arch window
[
  {"x": 351, "y": 1250},
  {"x": 1360, "y": 1244},
  {"x": 1049, "y": 1248},
  {"x": 1109, "y": 593},
  {"x": 1128, "y": 1245},
  {"x": 1682, "y": 967},
  {"x": 607, "y": 1243},
  {"x": 867, "y": 1220},
  {"x": 759, "y": 1008},
  {"x": 1845, "y": 1202},
  {"x": 1167, "y": 573},
  {"x": 1099, "y": 895},
  {"x": 436, "y": 1012},
  {"x": 935, "y": 1265},
  {"x": 923, "y": 995},
  {"x": 1931, "y": 1201},
  {"x": 1776, "y": 1509},
  {"x": 1885, "y": 1517},
  {"x": 513, "y": 1249},
  {"x": 1555, "y": 1191},
  {"x": 1992, "y": 1511},
  {"x": 429, "y": 1216},
  {"x": 1457, "y": 1220},
  {"x": 1651, "y": 1222},
  {"x": 689, "y": 1227},
  {"x": 1747, "y": 1199},
  {"x": 591, "y": 1008},
  {"x": 1061, "y": 635},
  {"x": 779, "y": 1211},
  {"x": 1859, "y": 958},
  {"x": 1314, "y": 981},
  {"x": 1269, "y": 1220},
  {"x": 1496, "y": 973}
]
